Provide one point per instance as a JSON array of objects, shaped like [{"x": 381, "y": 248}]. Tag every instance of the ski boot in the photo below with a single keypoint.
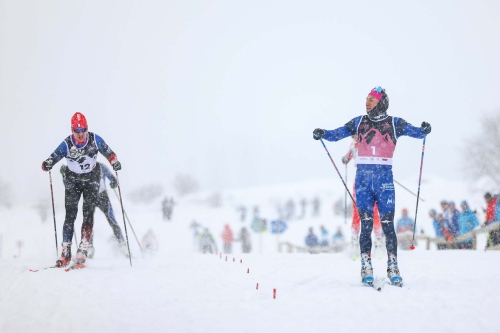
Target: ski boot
[
  {"x": 81, "y": 254},
  {"x": 393, "y": 271},
  {"x": 366, "y": 269},
  {"x": 65, "y": 258},
  {"x": 90, "y": 251}
]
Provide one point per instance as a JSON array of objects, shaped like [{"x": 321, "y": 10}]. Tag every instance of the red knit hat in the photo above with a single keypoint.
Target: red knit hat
[{"x": 78, "y": 121}]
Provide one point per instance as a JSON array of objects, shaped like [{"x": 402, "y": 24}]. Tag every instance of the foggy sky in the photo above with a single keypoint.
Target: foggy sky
[{"x": 230, "y": 91}]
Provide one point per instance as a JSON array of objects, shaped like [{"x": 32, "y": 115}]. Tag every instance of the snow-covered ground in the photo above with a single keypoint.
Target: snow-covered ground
[{"x": 179, "y": 290}]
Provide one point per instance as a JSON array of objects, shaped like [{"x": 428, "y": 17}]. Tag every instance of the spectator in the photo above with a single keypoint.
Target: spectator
[
  {"x": 311, "y": 239},
  {"x": 467, "y": 221},
  {"x": 316, "y": 206},
  {"x": 338, "y": 240},
  {"x": 453, "y": 222},
  {"x": 303, "y": 204},
  {"x": 446, "y": 212},
  {"x": 405, "y": 223},
  {"x": 244, "y": 238},
  {"x": 451, "y": 215},
  {"x": 497, "y": 207},
  {"x": 290, "y": 210},
  {"x": 167, "y": 207},
  {"x": 227, "y": 238},
  {"x": 256, "y": 212},
  {"x": 437, "y": 226},
  {"x": 243, "y": 212},
  {"x": 207, "y": 242},
  {"x": 324, "y": 236},
  {"x": 149, "y": 243},
  {"x": 442, "y": 229},
  {"x": 493, "y": 237}
]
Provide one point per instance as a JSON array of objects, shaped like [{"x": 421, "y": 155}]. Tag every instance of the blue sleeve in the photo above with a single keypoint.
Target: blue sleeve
[
  {"x": 340, "y": 133},
  {"x": 475, "y": 222},
  {"x": 404, "y": 128},
  {"x": 103, "y": 147},
  {"x": 59, "y": 153},
  {"x": 106, "y": 173}
]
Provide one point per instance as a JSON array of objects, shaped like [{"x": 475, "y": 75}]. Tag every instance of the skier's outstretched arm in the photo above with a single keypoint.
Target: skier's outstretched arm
[
  {"x": 106, "y": 151},
  {"x": 403, "y": 128},
  {"x": 55, "y": 157},
  {"x": 340, "y": 133}
]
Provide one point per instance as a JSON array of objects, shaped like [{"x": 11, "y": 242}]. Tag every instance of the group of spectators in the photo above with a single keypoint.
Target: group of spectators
[
  {"x": 451, "y": 222},
  {"x": 323, "y": 240},
  {"x": 207, "y": 244}
]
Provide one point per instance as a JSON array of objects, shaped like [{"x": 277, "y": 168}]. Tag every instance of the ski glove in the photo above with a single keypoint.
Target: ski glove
[
  {"x": 426, "y": 128},
  {"x": 113, "y": 184},
  {"x": 47, "y": 165},
  {"x": 318, "y": 133},
  {"x": 345, "y": 159},
  {"x": 116, "y": 165}
]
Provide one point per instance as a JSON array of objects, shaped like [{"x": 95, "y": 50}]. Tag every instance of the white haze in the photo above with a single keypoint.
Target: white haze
[{"x": 230, "y": 91}]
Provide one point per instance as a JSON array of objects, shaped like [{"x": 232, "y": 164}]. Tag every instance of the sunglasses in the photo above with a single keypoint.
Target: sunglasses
[{"x": 80, "y": 130}]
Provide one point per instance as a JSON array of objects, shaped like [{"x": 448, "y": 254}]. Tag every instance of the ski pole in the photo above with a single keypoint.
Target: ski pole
[
  {"x": 130, "y": 224},
  {"x": 53, "y": 212},
  {"x": 418, "y": 194},
  {"x": 421, "y": 199},
  {"x": 338, "y": 172},
  {"x": 345, "y": 198},
  {"x": 123, "y": 213}
]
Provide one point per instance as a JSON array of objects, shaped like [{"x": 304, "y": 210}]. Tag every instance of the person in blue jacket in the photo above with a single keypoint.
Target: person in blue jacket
[
  {"x": 453, "y": 227},
  {"x": 438, "y": 225},
  {"x": 377, "y": 134},
  {"x": 467, "y": 221},
  {"x": 311, "y": 239},
  {"x": 497, "y": 207}
]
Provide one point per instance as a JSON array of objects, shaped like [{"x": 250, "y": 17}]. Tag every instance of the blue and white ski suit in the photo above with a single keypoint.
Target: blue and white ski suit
[{"x": 374, "y": 182}]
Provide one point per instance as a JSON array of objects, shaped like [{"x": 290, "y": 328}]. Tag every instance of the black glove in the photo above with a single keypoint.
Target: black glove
[
  {"x": 345, "y": 159},
  {"x": 47, "y": 165},
  {"x": 117, "y": 166},
  {"x": 318, "y": 133},
  {"x": 113, "y": 184},
  {"x": 426, "y": 128}
]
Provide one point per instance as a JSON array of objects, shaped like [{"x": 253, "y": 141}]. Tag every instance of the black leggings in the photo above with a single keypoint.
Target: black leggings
[{"x": 76, "y": 185}]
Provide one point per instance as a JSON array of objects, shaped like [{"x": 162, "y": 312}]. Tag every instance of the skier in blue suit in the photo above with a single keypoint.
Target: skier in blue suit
[{"x": 377, "y": 134}]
